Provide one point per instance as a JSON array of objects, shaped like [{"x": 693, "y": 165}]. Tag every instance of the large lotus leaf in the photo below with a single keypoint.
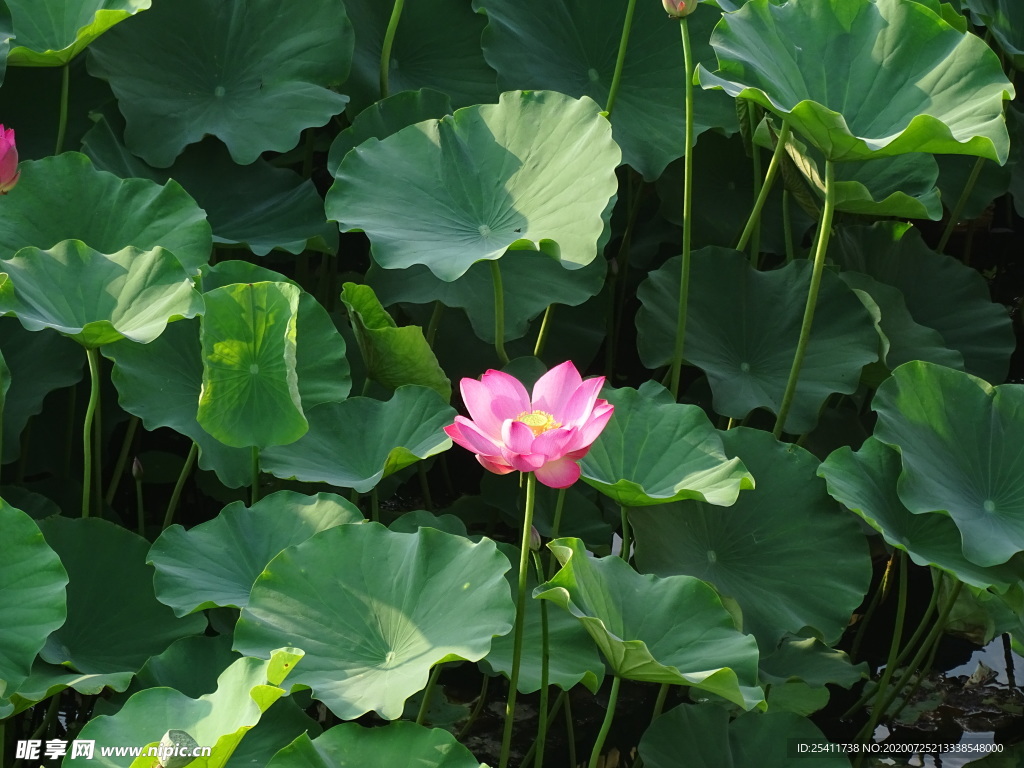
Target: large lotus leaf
[
  {"x": 854, "y": 89},
  {"x": 250, "y": 393},
  {"x": 108, "y": 213},
  {"x": 6, "y": 33},
  {"x": 436, "y": 45},
  {"x": 1005, "y": 20},
  {"x": 388, "y": 116},
  {"x": 755, "y": 740},
  {"x": 49, "y": 680},
  {"x": 940, "y": 292},
  {"x": 351, "y": 745},
  {"x": 660, "y": 630},
  {"x": 32, "y": 600},
  {"x": 216, "y": 563},
  {"x": 958, "y": 438},
  {"x": 107, "y": 567},
  {"x": 530, "y": 281},
  {"x": 903, "y": 338},
  {"x": 535, "y": 171},
  {"x": 218, "y": 720},
  {"x": 97, "y": 298},
  {"x": 866, "y": 482},
  {"x": 393, "y": 356},
  {"x": 258, "y": 206},
  {"x": 190, "y": 665},
  {"x": 812, "y": 662},
  {"x": 39, "y": 363},
  {"x": 742, "y": 330},
  {"x": 375, "y": 610},
  {"x": 357, "y": 443},
  {"x": 246, "y": 72},
  {"x": 786, "y": 552},
  {"x": 279, "y": 727},
  {"x": 52, "y": 33},
  {"x": 655, "y": 450},
  {"x": 570, "y": 46},
  {"x": 572, "y": 655},
  {"x": 992, "y": 181}
]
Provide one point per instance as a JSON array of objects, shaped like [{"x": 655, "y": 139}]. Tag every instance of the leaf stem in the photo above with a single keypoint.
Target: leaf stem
[
  {"x": 255, "y": 489},
  {"x": 90, "y": 412},
  {"x": 140, "y": 509},
  {"x": 684, "y": 274},
  {"x": 824, "y": 232},
  {"x": 421, "y": 716},
  {"x": 435, "y": 321},
  {"x": 621, "y": 58},
  {"x": 517, "y": 644},
  {"x": 172, "y": 505},
  {"x": 769, "y": 180},
  {"x": 961, "y": 203},
  {"x": 613, "y": 697},
  {"x": 545, "y": 327},
  {"x": 545, "y": 660},
  {"x": 556, "y": 525},
  {"x": 385, "y": 49},
  {"x": 62, "y": 121},
  {"x": 481, "y": 699},
  {"x": 499, "y": 313},
  {"x": 122, "y": 459},
  {"x": 627, "y": 542}
]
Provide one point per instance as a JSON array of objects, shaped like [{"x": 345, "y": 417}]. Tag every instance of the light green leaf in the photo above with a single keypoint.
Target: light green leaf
[{"x": 52, "y": 33}]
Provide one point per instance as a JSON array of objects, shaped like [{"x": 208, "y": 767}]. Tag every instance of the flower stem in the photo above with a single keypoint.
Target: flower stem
[
  {"x": 62, "y": 124},
  {"x": 517, "y": 644},
  {"x": 961, "y": 203},
  {"x": 90, "y": 412},
  {"x": 613, "y": 698},
  {"x": 139, "y": 507},
  {"x": 824, "y": 231},
  {"x": 769, "y": 180},
  {"x": 172, "y": 505},
  {"x": 621, "y": 58},
  {"x": 684, "y": 274},
  {"x": 385, "y": 49},
  {"x": 499, "y": 313}
]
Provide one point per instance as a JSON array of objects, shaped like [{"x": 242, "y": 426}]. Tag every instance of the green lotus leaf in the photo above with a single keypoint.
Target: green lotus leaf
[
  {"x": 375, "y": 610},
  {"x": 109, "y": 213},
  {"x": 279, "y": 727},
  {"x": 106, "y": 566},
  {"x": 241, "y": 71},
  {"x": 530, "y": 281},
  {"x": 570, "y": 46},
  {"x": 939, "y": 291},
  {"x": 388, "y": 116},
  {"x": 534, "y": 172},
  {"x": 250, "y": 393},
  {"x": 410, "y": 522},
  {"x": 357, "y": 443},
  {"x": 52, "y": 34},
  {"x": 785, "y": 552},
  {"x": 39, "y": 363},
  {"x": 660, "y": 630},
  {"x": 992, "y": 182},
  {"x": 393, "y": 356},
  {"x": 48, "y": 680},
  {"x": 257, "y": 206},
  {"x": 742, "y": 330},
  {"x": 1015, "y": 124},
  {"x": 1005, "y": 20},
  {"x": 572, "y": 656},
  {"x": 704, "y": 734},
  {"x": 655, "y": 451},
  {"x": 853, "y": 88},
  {"x": 809, "y": 660},
  {"x": 218, "y": 720},
  {"x": 96, "y": 298},
  {"x": 32, "y": 600},
  {"x": 866, "y": 482},
  {"x": 436, "y": 46},
  {"x": 6, "y": 33},
  {"x": 962, "y": 461},
  {"x": 400, "y": 743},
  {"x": 192, "y": 572},
  {"x": 903, "y": 338}
]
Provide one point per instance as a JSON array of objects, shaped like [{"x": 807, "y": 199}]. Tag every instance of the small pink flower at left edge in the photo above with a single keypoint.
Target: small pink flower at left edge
[{"x": 8, "y": 160}]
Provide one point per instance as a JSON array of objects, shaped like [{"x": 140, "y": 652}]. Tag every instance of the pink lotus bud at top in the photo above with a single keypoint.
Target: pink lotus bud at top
[
  {"x": 679, "y": 8},
  {"x": 8, "y": 160}
]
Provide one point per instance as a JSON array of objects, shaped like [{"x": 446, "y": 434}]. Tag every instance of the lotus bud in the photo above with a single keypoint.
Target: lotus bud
[
  {"x": 679, "y": 8},
  {"x": 534, "y": 539},
  {"x": 8, "y": 160},
  {"x": 137, "y": 469}
]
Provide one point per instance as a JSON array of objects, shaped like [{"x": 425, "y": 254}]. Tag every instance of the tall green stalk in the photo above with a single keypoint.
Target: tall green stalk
[
  {"x": 621, "y": 58},
  {"x": 62, "y": 124},
  {"x": 172, "y": 505},
  {"x": 606, "y": 725},
  {"x": 824, "y": 232},
  {"x": 769, "y": 180},
  {"x": 545, "y": 662},
  {"x": 499, "y": 313},
  {"x": 961, "y": 203},
  {"x": 684, "y": 274},
  {"x": 255, "y": 489},
  {"x": 122, "y": 459},
  {"x": 421, "y": 716},
  {"x": 90, "y": 412},
  {"x": 385, "y": 49},
  {"x": 517, "y": 643}
]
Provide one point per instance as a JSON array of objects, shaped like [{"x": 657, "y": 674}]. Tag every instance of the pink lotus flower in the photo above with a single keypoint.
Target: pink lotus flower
[
  {"x": 8, "y": 160},
  {"x": 679, "y": 8},
  {"x": 546, "y": 435}
]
